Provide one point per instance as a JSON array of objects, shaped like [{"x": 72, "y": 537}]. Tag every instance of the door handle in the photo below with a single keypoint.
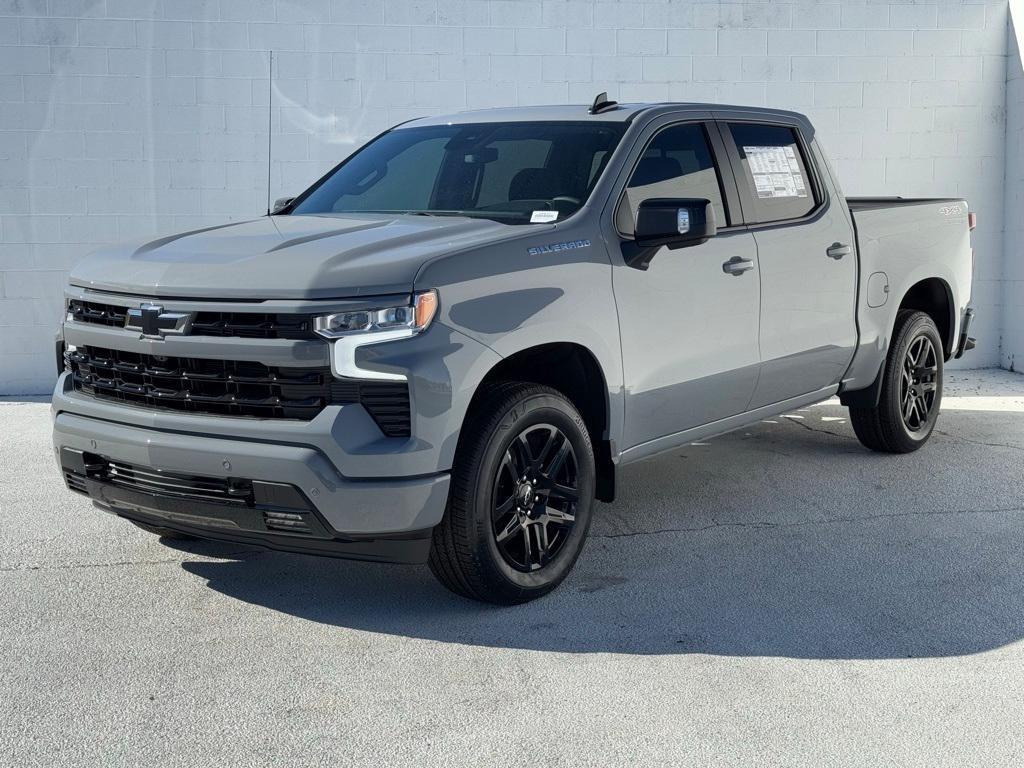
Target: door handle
[
  {"x": 837, "y": 250},
  {"x": 737, "y": 265}
]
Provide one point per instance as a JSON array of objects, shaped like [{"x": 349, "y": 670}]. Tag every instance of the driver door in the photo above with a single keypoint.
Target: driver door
[{"x": 688, "y": 322}]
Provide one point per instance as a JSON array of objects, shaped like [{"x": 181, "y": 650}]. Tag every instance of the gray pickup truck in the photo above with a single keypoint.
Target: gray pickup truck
[{"x": 444, "y": 350}]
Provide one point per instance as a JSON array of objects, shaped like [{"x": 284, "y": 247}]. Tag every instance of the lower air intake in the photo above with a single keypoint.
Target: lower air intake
[
  {"x": 289, "y": 522},
  {"x": 75, "y": 482}
]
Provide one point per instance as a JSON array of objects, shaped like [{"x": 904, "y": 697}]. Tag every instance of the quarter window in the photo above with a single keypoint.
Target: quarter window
[
  {"x": 774, "y": 170},
  {"x": 677, "y": 163}
]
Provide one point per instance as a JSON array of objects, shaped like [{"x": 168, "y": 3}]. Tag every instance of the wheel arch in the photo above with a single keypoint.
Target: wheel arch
[
  {"x": 573, "y": 370},
  {"x": 934, "y": 297}
]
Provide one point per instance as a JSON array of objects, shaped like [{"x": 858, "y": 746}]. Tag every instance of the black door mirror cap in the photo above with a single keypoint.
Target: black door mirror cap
[{"x": 674, "y": 222}]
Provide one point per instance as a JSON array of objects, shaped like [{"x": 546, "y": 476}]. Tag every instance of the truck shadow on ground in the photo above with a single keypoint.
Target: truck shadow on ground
[{"x": 788, "y": 540}]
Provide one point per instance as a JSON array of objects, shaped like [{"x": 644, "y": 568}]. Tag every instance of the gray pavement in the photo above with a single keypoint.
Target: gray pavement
[{"x": 774, "y": 596}]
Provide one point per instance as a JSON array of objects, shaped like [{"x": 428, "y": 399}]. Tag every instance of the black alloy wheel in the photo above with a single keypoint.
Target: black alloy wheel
[
  {"x": 521, "y": 497},
  {"x": 910, "y": 390},
  {"x": 535, "y": 497},
  {"x": 918, "y": 383}
]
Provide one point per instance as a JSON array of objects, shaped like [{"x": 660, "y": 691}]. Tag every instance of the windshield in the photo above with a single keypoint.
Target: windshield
[{"x": 516, "y": 173}]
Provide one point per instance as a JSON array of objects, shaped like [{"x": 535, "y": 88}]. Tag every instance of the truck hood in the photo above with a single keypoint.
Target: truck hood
[{"x": 286, "y": 257}]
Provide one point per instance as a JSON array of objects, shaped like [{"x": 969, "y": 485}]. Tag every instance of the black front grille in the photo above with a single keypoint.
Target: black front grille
[
  {"x": 232, "y": 388},
  {"x": 249, "y": 325},
  {"x": 253, "y": 325},
  {"x": 226, "y": 502},
  {"x": 195, "y": 487},
  {"x": 97, "y": 314}
]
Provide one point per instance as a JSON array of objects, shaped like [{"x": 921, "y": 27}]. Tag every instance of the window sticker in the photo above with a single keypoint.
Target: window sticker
[
  {"x": 543, "y": 217},
  {"x": 776, "y": 171}
]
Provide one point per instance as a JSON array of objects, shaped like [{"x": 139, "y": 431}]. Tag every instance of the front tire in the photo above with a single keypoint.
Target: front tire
[
  {"x": 521, "y": 496},
  {"x": 908, "y": 405}
]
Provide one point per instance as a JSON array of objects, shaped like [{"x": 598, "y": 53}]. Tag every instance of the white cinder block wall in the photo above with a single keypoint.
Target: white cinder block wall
[
  {"x": 122, "y": 118},
  {"x": 1012, "y": 351}
]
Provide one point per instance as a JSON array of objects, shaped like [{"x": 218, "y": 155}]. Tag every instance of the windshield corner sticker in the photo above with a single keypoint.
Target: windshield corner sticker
[
  {"x": 537, "y": 250},
  {"x": 776, "y": 171},
  {"x": 543, "y": 217}
]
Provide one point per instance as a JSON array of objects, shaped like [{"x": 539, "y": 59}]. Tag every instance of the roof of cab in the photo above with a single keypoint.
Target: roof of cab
[
  {"x": 557, "y": 113},
  {"x": 580, "y": 112}
]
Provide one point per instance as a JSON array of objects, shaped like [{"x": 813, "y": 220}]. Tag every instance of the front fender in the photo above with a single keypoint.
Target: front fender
[
  {"x": 511, "y": 300},
  {"x": 444, "y": 368}
]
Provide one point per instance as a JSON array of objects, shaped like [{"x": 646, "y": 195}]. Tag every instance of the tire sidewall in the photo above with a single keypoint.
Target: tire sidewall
[
  {"x": 533, "y": 409},
  {"x": 916, "y": 327}
]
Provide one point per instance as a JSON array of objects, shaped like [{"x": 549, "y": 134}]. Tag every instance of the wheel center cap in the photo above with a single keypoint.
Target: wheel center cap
[{"x": 524, "y": 496}]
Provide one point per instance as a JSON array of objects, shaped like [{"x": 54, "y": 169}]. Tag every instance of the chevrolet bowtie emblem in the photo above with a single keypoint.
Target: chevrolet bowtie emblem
[{"x": 154, "y": 323}]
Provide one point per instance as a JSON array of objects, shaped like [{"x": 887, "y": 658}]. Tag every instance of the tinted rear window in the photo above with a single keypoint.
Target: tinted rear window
[{"x": 774, "y": 170}]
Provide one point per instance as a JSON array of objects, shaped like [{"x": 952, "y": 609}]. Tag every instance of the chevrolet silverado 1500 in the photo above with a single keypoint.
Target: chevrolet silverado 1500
[{"x": 446, "y": 348}]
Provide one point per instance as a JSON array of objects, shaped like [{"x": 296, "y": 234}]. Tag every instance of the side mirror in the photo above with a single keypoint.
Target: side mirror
[
  {"x": 674, "y": 222},
  {"x": 280, "y": 204}
]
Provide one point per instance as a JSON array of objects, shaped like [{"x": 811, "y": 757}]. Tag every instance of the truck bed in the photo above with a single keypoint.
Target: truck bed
[{"x": 909, "y": 248}]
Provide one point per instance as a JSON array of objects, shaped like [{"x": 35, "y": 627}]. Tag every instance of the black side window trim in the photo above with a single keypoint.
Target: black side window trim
[
  {"x": 748, "y": 201},
  {"x": 731, "y": 202}
]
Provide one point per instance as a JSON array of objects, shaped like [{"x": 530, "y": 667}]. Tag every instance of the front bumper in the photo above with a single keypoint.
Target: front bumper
[
  {"x": 270, "y": 515},
  {"x": 379, "y": 519},
  {"x": 363, "y": 485}
]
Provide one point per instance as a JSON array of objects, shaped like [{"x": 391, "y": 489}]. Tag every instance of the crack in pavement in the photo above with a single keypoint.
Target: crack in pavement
[
  {"x": 979, "y": 442},
  {"x": 801, "y": 523},
  {"x": 809, "y": 428}
]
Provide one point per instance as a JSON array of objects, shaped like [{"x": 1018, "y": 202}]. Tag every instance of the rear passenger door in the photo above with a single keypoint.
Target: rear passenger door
[
  {"x": 688, "y": 325},
  {"x": 806, "y": 257}
]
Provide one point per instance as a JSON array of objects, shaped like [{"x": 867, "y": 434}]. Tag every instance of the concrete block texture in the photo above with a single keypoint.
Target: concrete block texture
[
  {"x": 121, "y": 118},
  {"x": 1012, "y": 325}
]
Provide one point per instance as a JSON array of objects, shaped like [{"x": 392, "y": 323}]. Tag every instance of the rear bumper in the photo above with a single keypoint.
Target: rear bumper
[
  {"x": 378, "y": 519},
  {"x": 966, "y": 342}
]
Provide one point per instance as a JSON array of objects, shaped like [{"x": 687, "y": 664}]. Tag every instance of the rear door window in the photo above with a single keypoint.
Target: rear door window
[{"x": 774, "y": 170}]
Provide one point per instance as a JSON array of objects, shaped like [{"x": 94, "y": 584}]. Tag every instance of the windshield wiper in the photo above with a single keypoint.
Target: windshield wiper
[{"x": 500, "y": 216}]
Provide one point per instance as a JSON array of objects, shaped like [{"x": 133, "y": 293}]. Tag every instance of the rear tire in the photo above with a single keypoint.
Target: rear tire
[
  {"x": 908, "y": 405},
  {"x": 521, "y": 496}
]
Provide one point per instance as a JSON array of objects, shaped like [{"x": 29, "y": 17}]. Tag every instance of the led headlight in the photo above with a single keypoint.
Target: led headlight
[
  {"x": 351, "y": 330},
  {"x": 414, "y": 316}
]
